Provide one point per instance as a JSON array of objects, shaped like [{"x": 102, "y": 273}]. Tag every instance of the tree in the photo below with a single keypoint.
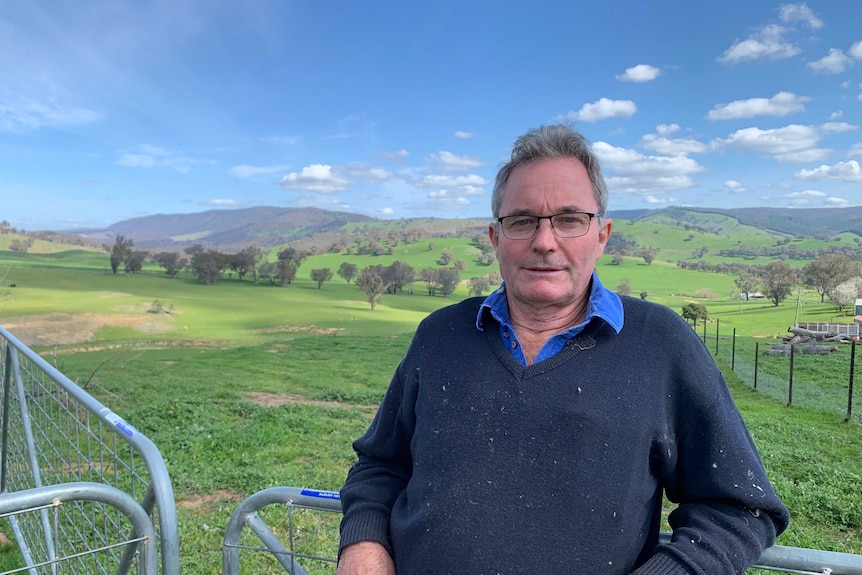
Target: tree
[
  {"x": 695, "y": 311},
  {"x": 321, "y": 275},
  {"x": 289, "y": 260},
  {"x": 207, "y": 264},
  {"x": 370, "y": 282},
  {"x": 827, "y": 271},
  {"x": 778, "y": 280},
  {"x": 445, "y": 258},
  {"x": 429, "y": 276},
  {"x": 347, "y": 271},
  {"x": 616, "y": 259},
  {"x": 397, "y": 276},
  {"x": 624, "y": 287},
  {"x": 649, "y": 255},
  {"x": 746, "y": 282},
  {"x": 119, "y": 251},
  {"x": 268, "y": 271},
  {"x": 135, "y": 261},
  {"x": 448, "y": 279},
  {"x": 844, "y": 294},
  {"x": 246, "y": 261},
  {"x": 479, "y": 285},
  {"x": 171, "y": 262}
]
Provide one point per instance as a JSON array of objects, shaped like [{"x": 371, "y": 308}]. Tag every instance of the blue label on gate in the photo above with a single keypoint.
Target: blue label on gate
[{"x": 321, "y": 494}]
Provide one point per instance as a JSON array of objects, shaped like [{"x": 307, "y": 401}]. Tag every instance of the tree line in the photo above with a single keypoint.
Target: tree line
[{"x": 209, "y": 265}]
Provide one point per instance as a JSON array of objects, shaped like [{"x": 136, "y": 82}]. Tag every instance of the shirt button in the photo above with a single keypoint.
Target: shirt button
[
  {"x": 505, "y": 334},
  {"x": 514, "y": 344}
]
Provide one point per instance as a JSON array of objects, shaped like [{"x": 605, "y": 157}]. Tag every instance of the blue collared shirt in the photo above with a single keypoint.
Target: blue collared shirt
[{"x": 602, "y": 303}]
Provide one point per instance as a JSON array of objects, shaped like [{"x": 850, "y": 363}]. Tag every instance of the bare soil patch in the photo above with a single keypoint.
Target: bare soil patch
[
  {"x": 312, "y": 329},
  {"x": 277, "y": 399},
  {"x": 65, "y": 329},
  {"x": 199, "y": 500}
]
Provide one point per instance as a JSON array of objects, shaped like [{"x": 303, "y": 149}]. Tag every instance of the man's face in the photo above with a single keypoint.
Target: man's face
[{"x": 546, "y": 270}]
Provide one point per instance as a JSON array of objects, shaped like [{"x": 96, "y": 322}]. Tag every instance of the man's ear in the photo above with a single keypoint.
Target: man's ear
[
  {"x": 492, "y": 233},
  {"x": 605, "y": 233}
]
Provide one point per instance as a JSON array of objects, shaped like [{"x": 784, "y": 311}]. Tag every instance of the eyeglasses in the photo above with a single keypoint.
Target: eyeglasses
[{"x": 565, "y": 225}]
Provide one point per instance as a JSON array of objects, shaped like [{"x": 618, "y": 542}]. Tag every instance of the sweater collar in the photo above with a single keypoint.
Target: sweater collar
[{"x": 603, "y": 303}]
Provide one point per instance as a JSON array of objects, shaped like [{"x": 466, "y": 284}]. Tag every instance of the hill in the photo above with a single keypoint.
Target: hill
[{"x": 268, "y": 226}]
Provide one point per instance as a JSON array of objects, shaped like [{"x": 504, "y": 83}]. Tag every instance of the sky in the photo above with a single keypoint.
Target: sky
[{"x": 112, "y": 110}]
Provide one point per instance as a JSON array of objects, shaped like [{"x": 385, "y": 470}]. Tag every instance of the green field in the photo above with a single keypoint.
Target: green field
[{"x": 246, "y": 386}]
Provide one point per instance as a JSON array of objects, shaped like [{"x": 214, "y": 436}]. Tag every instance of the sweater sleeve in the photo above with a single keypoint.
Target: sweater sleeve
[
  {"x": 381, "y": 471},
  {"x": 727, "y": 511}
]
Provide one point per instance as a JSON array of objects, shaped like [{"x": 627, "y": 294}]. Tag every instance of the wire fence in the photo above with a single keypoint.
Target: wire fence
[{"x": 825, "y": 378}]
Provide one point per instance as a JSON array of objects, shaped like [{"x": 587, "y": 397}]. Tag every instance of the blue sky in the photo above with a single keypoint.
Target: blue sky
[{"x": 111, "y": 110}]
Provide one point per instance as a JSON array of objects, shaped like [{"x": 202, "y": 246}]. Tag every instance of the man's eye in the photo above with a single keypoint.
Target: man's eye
[
  {"x": 523, "y": 223},
  {"x": 568, "y": 220}
]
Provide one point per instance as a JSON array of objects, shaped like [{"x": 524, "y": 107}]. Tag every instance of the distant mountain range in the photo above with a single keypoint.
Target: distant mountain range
[{"x": 269, "y": 226}]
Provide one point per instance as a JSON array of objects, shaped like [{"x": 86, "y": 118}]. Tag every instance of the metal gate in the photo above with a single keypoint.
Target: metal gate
[{"x": 84, "y": 491}]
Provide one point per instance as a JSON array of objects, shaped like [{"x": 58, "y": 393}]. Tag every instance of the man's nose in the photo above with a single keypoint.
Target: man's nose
[{"x": 545, "y": 238}]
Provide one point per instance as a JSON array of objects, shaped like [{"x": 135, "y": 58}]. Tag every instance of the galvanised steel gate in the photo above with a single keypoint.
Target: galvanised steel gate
[{"x": 84, "y": 491}]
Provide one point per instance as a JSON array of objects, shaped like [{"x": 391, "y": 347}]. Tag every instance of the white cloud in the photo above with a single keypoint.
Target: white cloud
[
  {"x": 787, "y": 140},
  {"x": 603, "y": 109},
  {"x": 767, "y": 43},
  {"x": 673, "y": 146},
  {"x": 836, "y": 202},
  {"x": 836, "y": 115},
  {"x": 640, "y": 73},
  {"x": 464, "y": 135},
  {"x": 471, "y": 181},
  {"x": 666, "y": 129},
  {"x": 398, "y": 156},
  {"x": 780, "y": 104},
  {"x": 244, "y": 171},
  {"x": 136, "y": 161},
  {"x": 651, "y": 199},
  {"x": 856, "y": 50},
  {"x": 370, "y": 174},
  {"x": 18, "y": 112},
  {"x": 849, "y": 171},
  {"x": 734, "y": 186},
  {"x": 450, "y": 162},
  {"x": 220, "y": 202},
  {"x": 799, "y": 13},
  {"x": 833, "y": 63},
  {"x": 855, "y": 151},
  {"x": 805, "y": 156},
  {"x": 154, "y": 150},
  {"x": 155, "y": 157},
  {"x": 636, "y": 173},
  {"x": 317, "y": 178},
  {"x": 803, "y": 198},
  {"x": 386, "y": 212}
]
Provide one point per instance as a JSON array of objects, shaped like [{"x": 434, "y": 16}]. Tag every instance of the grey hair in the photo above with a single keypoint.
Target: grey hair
[{"x": 550, "y": 142}]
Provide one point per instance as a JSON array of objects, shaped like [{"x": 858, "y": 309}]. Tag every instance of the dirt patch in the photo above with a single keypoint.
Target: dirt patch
[
  {"x": 207, "y": 499},
  {"x": 278, "y": 399},
  {"x": 312, "y": 329},
  {"x": 65, "y": 329}
]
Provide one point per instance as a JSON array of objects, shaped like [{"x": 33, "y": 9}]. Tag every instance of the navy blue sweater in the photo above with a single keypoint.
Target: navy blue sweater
[{"x": 478, "y": 464}]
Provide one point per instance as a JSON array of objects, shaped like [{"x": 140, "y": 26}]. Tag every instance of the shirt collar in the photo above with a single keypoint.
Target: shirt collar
[{"x": 603, "y": 303}]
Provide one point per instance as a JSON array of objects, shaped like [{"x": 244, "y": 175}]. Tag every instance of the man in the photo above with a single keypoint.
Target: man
[{"x": 537, "y": 430}]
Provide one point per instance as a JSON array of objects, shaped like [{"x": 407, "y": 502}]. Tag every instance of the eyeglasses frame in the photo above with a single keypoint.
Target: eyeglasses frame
[{"x": 551, "y": 222}]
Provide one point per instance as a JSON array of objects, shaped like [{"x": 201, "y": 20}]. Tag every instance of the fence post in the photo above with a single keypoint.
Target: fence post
[
  {"x": 704, "y": 332},
  {"x": 790, "y": 381},
  {"x": 756, "y": 359},
  {"x": 717, "y": 323},
  {"x": 850, "y": 386},
  {"x": 733, "y": 351}
]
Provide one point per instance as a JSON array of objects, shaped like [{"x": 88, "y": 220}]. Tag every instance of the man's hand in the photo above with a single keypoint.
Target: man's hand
[{"x": 365, "y": 558}]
